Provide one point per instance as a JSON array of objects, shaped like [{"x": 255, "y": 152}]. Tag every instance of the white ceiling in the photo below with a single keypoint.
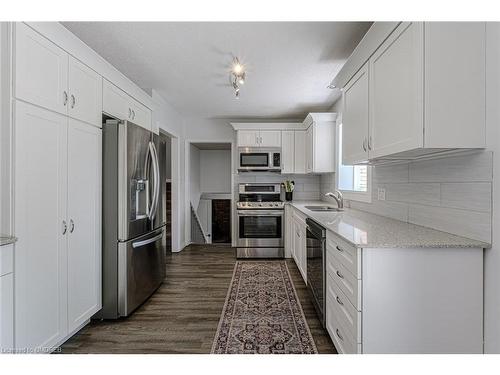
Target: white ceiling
[{"x": 289, "y": 64}]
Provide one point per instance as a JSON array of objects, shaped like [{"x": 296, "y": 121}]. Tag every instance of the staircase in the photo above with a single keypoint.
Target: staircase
[{"x": 197, "y": 234}]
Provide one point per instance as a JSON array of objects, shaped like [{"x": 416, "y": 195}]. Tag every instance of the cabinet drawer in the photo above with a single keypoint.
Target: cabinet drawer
[
  {"x": 348, "y": 317},
  {"x": 343, "y": 340},
  {"x": 299, "y": 216},
  {"x": 346, "y": 253},
  {"x": 349, "y": 284},
  {"x": 6, "y": 259}
]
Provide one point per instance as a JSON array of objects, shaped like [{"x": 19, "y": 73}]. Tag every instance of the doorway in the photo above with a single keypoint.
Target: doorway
[{"x": 208, "y": 191}]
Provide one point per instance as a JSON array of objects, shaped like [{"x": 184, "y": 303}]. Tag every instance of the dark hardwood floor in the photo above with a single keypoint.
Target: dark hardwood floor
[{"x": 182, "y": 316}]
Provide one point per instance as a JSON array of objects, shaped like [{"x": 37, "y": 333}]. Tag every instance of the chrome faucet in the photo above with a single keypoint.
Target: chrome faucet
[{"x": 338, "y": 198}]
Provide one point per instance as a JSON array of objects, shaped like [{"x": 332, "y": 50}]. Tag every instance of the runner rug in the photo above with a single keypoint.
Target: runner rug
[{"x": 262, "y": 314}]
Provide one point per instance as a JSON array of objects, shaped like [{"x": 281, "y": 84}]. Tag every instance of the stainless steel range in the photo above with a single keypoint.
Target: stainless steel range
[{"x": 260, "y": 221}]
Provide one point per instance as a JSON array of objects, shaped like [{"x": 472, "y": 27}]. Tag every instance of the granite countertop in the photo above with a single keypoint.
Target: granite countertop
[
  {"x": 363, "y": 229},
  {"x": 6, "y": 240}
]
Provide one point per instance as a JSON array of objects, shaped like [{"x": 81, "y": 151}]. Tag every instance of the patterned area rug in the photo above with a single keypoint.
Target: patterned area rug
[{"x": 262, "y": 314}]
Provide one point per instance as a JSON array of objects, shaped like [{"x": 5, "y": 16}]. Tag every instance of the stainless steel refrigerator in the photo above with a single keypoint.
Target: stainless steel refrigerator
[{"x": 133, "y": 217}]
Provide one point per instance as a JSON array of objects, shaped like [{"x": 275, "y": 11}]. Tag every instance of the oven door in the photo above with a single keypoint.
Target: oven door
[{"x": 260, "y": 228}]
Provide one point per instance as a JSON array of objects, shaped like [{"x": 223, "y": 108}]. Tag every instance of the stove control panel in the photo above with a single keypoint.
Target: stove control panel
[{"x": 258, "y": 205}]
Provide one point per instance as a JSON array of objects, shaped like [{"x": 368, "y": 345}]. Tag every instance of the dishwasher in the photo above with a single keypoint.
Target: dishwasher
[{"x": 316, "y": 266}]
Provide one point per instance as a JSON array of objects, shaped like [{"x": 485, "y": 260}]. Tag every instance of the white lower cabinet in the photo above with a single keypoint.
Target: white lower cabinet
[
  {"x": 298, "y": 239},
  {"x": 403, "y": 300},
  {"x": 57, "y": 222}
]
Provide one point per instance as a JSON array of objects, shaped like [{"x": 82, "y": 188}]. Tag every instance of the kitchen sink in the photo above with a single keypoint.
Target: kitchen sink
[{"x": 323, "y": 208}]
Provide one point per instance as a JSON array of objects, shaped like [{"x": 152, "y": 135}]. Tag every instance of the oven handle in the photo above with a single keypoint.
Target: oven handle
[{"x": 260, "y": 213}]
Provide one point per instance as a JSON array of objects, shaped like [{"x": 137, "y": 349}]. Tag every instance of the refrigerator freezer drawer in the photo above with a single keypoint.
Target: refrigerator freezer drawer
[{"x": 141, "y": 270}]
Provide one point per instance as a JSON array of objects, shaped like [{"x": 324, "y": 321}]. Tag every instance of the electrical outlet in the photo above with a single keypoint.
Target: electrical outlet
[{"x": 381, "y": 194}]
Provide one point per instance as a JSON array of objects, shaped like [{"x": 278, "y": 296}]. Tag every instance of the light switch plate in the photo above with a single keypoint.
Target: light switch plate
[{"x": 381, "y": 194}]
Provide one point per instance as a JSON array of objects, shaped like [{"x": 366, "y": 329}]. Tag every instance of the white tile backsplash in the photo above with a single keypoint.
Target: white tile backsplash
[{"x": 452, "y": 194}]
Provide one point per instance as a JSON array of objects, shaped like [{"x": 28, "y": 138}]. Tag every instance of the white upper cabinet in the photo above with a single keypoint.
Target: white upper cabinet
[
  {"x": 47, "y": 76},
  {"x": 270, "y": 138},
  {"x": 259, "y": 138},
  {"x": 41, "y": 70},
  {"x": 426, "y": 92},
  {"x": 320, "y": 142},
  {"x": 119, "y": 104},
  {"x": 248, "y": 138},
  {"x": 85, "y": 93},
  {"x": 455, "y": 81},
  {"x": 396, "y": 92},
  {"x": 300, "y": 151},
  {"x": 84, "y": 223},
  {"x": 288, "y": 151},
  {"x": 355, "y": 119}
]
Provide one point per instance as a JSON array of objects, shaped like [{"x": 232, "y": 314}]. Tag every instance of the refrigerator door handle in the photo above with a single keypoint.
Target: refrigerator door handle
[
  {"x": 152, "y": 210},
  {"x": 156, "y": 169}
]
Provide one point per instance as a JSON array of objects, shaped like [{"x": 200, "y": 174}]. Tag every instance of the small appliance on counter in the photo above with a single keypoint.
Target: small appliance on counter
[{"x": 260, "y": 221}]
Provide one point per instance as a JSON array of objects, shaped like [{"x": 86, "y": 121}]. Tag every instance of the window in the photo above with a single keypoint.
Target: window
[{"x": 353, "y": 181}]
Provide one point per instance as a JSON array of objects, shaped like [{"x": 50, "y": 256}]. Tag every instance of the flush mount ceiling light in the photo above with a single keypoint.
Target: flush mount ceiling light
[{"x": 237, "y": 76}]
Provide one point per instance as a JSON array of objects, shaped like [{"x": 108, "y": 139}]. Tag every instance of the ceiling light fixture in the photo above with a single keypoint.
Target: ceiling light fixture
[{"x": 237, "y": 76}]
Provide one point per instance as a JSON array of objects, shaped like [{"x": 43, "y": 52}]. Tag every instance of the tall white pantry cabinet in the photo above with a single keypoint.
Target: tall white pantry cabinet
[{"x": 57, "y": 109}]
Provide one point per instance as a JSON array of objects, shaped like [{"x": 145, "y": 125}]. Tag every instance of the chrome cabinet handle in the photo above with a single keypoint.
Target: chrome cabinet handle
[
  {"x": 364, "y": 144},
  {"x": 65, "y": 98},
  {"x": 71, "y": 226},
  {"x": 339, "y": 301},
  {"x": 338, "y": 334},
  {"x": 339, "y": 249},
  {"x": 370, "y": 143},
  {"x": 73, "y": 101},
  {"x": 64, "y": 227},
  {"x": 129, "y": 113},
  {"x": 133, "y": 115},
  {"x": 340, "y": 275},
  {"x": 298, "y": 234}
]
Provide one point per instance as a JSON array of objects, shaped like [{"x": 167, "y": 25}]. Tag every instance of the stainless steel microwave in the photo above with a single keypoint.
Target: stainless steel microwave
[{"x": 259, "y": 159}]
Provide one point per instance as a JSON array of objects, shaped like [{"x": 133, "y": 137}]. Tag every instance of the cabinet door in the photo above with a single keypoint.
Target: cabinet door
[
  {"x": 85, "y": 93},
  {"x": 288, "y": 151},
  {"x": 303, "y": 251},
  {"x": 270, "y": 138},
  {"x": 40, "y": 206},
  {"x": 396, "y": 92},
  {"x": 355, "y": 119},
  {"x": 141, "y": 115},
  {"x": 309, "y": 149},
  {"x": 41, "y": 70},
  {"x": 84, "y": 222},
  {"x": 300, "y": 151},
  {"x": 296, "y": 243},
  {"x": 248, "y": 138},
  {"x": 115, "y": 101}
]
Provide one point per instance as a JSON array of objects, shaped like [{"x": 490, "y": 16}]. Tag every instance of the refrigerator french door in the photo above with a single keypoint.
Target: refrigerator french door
[{"x": 133, "y": 222}]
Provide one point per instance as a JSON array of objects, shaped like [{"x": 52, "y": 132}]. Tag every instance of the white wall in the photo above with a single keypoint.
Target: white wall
[
  {"x": 215, "y": 171},
  {"x": 492, "y": 256},
  {"x": 194, "y": 176},
  {"x": 167, "y": 119}
]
